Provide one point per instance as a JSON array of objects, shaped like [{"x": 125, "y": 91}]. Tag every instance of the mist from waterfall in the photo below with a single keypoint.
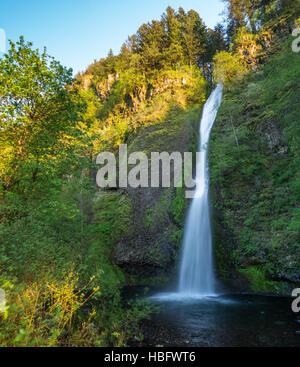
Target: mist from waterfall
[{"x": 196, "y": 270}]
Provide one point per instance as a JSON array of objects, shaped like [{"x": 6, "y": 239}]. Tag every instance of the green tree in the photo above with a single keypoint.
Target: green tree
[
  {"x": 191, "y": 22},
  {"x": 255, "y": 13},
  {"x": 149, "y": 44},
  {"x": 248, "y": 48},
  {"x": 242, "y": 13},
  {"x": 40, "y": 110},
  {"x": 215, "y": 42},
  {"x": 228, "y": 68},
  {"x": 201, "y": 39},
  {"x": 173, "y": 39},
  {"x": 123, "y": 58}
]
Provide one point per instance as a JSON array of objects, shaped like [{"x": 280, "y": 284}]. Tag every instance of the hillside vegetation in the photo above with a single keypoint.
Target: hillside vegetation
[{"x": 254, "y": 159}]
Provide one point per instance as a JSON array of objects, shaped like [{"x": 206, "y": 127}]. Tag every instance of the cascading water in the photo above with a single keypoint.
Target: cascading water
[{"x": 196, "y": 272}]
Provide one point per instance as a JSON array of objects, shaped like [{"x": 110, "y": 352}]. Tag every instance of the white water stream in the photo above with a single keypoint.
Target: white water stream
[
  {"x": 196, "y": 271},
  {"x": 196, "y": 278}
]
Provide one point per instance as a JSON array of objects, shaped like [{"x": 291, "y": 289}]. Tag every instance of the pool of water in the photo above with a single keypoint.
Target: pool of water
[{"x": 225, "y": 320}]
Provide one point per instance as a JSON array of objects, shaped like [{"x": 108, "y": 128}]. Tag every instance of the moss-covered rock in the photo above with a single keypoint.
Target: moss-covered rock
[{"x": 150, "y": 254}]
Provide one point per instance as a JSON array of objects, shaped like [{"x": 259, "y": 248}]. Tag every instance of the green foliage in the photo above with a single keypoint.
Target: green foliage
[
  {"x": 53, "y": 312},
  {"x": 256, "y": 13},
  {"x": 254, "y": 155},
  {"x": 39, "y": 113},
  {"x": 258, "y": 282},
  {"x": 106, "y": 209},
  {"x": 48, "y": 245},
  {"x": 179, "y": 206},
  {"x": 105, "y": 233},
  {"x": 42, "y": 313},
  {"x": 228, "y": 68},
  {"x": 255, "y": 30}
]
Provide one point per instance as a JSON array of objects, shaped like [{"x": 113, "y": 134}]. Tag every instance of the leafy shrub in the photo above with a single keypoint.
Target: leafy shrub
[{"x": 228, "y": 68}]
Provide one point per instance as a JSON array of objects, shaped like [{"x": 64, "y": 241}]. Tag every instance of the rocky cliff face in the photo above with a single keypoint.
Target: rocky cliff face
[
  {"x": 143, "y": 226},
  {"x": 157, "y": 220}
]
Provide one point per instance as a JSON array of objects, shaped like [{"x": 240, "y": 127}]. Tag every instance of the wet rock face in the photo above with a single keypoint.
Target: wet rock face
[
  {"x": 145, "y": 249},
  {"x": 286, "y": 264},
  {"x": 153, "y": 244},
  {"x": 139, "y": 94},
  {"x": 288, "y": 277},
  {"x": 104, "y": 88},
  {"x": 272, "y": 133},
  {"x": 150, "y": 250}
]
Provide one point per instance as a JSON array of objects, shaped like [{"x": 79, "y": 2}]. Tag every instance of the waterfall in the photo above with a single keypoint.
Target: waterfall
[{"x": 196, "y": 272}]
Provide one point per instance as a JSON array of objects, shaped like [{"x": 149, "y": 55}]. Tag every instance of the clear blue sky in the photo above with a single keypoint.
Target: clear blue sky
[{"x": 77, "y": 32}]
